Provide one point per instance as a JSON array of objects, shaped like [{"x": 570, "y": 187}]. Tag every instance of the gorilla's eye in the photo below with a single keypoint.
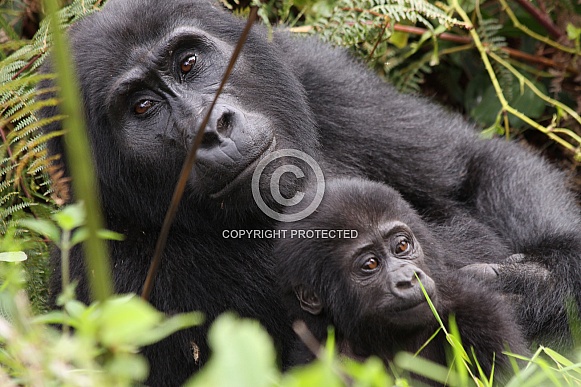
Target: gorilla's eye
[
  {"x": 370, "y": 264},
  {"x": 403, "y": 246},
  {"x": 142, "y": 106},
  {"x": 188, "y": 63}
]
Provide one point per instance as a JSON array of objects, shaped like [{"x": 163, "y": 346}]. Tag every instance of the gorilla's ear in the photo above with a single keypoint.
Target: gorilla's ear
[{"x": 309, "y": 300}]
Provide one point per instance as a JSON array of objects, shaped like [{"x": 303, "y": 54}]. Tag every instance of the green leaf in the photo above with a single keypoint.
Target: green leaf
[
  {"x": 426, "y": 368},
  {"x": 43, "y": 227},
  {"x": 243, "y": 355},
  {"x": 315, "y": 374},
  {"x": 128, "y": 366},
  {"x": 467, "y": 5},
  {"x": 125, "y": 319},
  {"x": 170, "y": 326},
  {"x": 492, "y": 131},
  {"x": 81, "y": 234},
  {"x": 53, "y": 317},
  {"x": 524, "y": 100},
  {"x": 75, "y": 308},
  {"x": 70, "y": 217},
  {"x": 13, "y": 256},
  {"x": 399, "y": 39},
  {"x": 110, "y": 235},
  {"x": 573, "y": 32},
  {"x": 561, "y": 360},
  {"x": 371, "y": 373}
]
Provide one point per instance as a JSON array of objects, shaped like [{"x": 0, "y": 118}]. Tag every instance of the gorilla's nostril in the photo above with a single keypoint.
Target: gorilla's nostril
[
  {"x": 224, "y": 124},
  {"x": 210, "y": 139},
  {"x": 405, "y": 284}
]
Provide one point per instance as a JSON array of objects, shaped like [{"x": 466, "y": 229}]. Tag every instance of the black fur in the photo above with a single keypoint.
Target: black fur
[
  {"x": 308, "y": 96},
  {"x": 383, "y": 311}
]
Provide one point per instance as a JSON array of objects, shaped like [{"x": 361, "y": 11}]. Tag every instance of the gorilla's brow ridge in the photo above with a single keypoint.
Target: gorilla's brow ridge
[
  {"x": 385, "y": 229},
  {"x": 392, "y": 227},
  {"x": 161, "y": 50}
]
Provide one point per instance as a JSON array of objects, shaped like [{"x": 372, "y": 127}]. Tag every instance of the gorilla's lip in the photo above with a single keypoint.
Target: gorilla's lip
[
  {"x": 245, "y": 172},
  {"x": 411, "y": 306}
]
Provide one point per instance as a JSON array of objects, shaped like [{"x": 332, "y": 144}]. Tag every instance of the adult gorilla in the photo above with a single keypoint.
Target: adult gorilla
[{"x": 148, "y": 70}]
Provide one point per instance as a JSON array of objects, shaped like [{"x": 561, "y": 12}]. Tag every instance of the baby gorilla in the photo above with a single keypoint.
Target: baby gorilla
[{"x": 368, "y": 287}]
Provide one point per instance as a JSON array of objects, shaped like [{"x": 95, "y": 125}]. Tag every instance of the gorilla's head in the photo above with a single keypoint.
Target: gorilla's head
[
  {"x": 369, "y": 275},
  {"x": 146, "y": 87}
]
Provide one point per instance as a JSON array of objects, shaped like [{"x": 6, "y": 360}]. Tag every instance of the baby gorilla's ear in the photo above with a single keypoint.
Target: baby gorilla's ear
[{"x": 309, "y": 300}]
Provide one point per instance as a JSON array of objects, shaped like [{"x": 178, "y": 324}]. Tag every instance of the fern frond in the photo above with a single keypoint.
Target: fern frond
[
  {"x": 488, "y": 31},
  {"x": 11, "y": 210},
  {"x": 409, "y": 78},
  {"x": 24, "y": 164},
  {"x": 6, "y": 167}
]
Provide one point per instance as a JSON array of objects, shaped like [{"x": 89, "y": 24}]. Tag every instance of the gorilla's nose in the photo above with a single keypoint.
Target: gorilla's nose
[
  {"x": 223, "y": 120},
  {"x": 404, "y": 282}
]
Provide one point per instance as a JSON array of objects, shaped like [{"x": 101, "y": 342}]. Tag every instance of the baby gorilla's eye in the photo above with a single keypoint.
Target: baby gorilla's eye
[
  {"x": 188, "y": 63},
  {"x": 370, "y": 264},
  {"x": 142, "y": 106},
  {"x": 403, "y": 246}
]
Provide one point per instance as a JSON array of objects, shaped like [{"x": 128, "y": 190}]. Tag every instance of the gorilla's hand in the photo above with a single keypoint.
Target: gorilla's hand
[
  {"x": 515, "y": 266},
  {"x": 484, "y": 271}
]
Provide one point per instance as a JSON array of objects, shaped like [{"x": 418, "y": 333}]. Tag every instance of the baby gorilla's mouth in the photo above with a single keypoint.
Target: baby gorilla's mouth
[
  {"x": 412, "y": 314},
  {"x": 409, "y": 305},
  {"x": 246, "y": 172}
]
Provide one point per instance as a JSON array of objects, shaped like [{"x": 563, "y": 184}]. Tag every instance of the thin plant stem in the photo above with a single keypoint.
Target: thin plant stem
[
  {"x": 65, "y": 248},
  {"x": 505, "y": 106},
  {"x": 533, "y": 34}
]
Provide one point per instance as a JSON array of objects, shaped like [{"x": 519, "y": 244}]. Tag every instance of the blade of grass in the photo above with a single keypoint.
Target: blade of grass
[{"x": 82, "y": 170}]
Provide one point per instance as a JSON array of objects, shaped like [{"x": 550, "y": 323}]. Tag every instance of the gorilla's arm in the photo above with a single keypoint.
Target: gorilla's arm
[
  {"x": 527, "y": 202},
  {"x": 486, "y": 322}
]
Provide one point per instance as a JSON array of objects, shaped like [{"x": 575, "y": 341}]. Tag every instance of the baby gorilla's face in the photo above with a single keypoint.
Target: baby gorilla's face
[{"x": 386, "y": 273}]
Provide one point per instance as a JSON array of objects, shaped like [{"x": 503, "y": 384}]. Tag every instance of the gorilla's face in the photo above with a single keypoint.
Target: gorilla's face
[
  {"x": 161, "y": 98},
  {"x": 146, "y": 102}
]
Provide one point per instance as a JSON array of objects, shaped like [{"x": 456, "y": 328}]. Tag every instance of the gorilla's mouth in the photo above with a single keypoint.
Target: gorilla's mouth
[
  {"x": 412, "y": 314},
  {"x": 409, "y": 305},
  {"x": 242, "y": 176}
]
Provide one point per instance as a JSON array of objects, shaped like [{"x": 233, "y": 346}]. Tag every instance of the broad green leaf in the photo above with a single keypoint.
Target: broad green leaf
[
  {"x": 170, "y": 326},
  {"x": 43, "y": 227},
  {"x": 243, "y": 355},
  {"x": 399, "y": 39},
  {"x": 52, "y": 317},
  {"x": 79, "y": 235},
  {"x": 71, "y": 216},
  {"x": 573, "y": 32},
  {"x": 125, "y": 319},
  {"x": 128, "y": 366},
  {"x": 524, "y": 100},
  {"x": 75, "y": 308}
]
